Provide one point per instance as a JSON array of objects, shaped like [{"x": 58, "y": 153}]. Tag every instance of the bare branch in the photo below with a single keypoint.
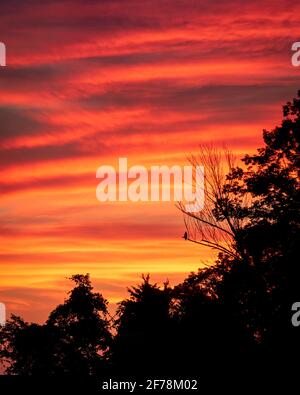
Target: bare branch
[{"x": 216, "y": 225}]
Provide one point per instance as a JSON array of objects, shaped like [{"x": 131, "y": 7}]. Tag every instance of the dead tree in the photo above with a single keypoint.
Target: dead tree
[{"x": 218, "y": 223}]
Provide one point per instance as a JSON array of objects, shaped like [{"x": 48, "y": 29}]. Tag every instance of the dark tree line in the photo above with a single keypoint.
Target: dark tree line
[{"x": 237, "y": 307}]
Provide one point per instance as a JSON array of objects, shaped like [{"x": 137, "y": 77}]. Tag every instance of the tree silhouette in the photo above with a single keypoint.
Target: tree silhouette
[
  {"x": 73, "y": 340},
  {"x": 26, "y": 348},
  {"x": 272, "y": 178},
  {"x": 144, "y": 329},
  {"x": 257, "y": 208}
]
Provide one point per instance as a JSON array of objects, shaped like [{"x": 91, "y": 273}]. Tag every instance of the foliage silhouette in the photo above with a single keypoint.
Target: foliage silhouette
[
  {"x": 144, "y": 329},
  {"x": 73, "y": 340},
  {"x": 260, "y": 206}
]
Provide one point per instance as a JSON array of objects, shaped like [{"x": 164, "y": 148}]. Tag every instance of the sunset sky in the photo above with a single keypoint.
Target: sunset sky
[{"x": 87, "y": 82}]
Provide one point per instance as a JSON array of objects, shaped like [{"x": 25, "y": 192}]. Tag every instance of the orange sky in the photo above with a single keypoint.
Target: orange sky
[{"x": 88, "y": 82}]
